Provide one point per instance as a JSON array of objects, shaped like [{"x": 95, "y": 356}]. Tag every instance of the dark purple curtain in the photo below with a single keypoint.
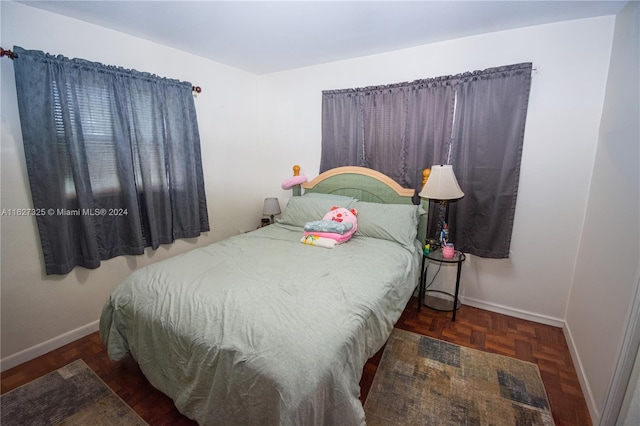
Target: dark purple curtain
[
  {"x": 490, "y": 119},
  {"x": 474, "y": 121},
  {"x": 113, "y": 158},
  {"x": 394, "y": 129}
]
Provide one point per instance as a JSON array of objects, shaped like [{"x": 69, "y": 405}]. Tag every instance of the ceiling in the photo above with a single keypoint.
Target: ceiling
[{"x": 269, "y": 36}]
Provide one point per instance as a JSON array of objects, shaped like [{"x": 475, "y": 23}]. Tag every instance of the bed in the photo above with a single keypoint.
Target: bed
[{"x": 261, "y": 329}]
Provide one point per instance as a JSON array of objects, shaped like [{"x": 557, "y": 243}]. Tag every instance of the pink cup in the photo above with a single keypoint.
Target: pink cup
[{"x": 448, "y": 251}]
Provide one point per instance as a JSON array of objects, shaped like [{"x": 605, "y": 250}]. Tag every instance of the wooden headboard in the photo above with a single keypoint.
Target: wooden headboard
[{"x": 365, "y": 185}]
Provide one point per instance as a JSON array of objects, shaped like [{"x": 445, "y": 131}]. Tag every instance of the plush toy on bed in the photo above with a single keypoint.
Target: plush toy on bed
[{"x": 336, "y": 227}]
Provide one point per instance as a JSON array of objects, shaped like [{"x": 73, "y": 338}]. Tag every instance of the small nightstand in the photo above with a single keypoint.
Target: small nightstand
[{"x": 442, "y": 305}]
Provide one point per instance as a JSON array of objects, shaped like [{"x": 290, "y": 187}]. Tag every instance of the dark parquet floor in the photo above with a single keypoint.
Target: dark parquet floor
[{"x": 475, "y": 328}]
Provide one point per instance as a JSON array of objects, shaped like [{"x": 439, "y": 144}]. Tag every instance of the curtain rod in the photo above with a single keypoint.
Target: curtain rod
[{"x": 9, "y": 54}]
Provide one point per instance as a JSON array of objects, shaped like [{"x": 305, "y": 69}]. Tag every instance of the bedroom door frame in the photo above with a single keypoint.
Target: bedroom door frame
[{"x": 626, "y": 362}]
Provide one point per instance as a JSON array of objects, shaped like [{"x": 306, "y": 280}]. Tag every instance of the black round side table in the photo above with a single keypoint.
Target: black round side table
[{"x": 439, "y": 303}]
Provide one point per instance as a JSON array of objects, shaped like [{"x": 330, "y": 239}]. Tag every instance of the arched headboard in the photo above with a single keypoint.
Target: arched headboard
[{"x": 366, "y": 185}]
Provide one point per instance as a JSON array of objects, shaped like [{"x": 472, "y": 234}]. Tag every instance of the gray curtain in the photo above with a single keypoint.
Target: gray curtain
[
  {"x": 430, "y": 109},
  {"x": 490, "y": 120},
  {"x": 113, "y": 158},
  {"x": 385, "y": 122},
  {"x": 402, "y": 128},
  {"x": 342, "y": 143},
  {"x": 392, "y": 129}
]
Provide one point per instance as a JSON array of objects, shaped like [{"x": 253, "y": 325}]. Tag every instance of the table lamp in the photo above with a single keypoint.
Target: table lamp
[
  {"x": 271, "y": 207},
  {"x": 442, "y": 185}
]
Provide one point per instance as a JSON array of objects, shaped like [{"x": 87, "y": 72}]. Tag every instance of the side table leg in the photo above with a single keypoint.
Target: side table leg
[
  {"x": 455, "y": 298},
  {"x": 421, "y": 291}
]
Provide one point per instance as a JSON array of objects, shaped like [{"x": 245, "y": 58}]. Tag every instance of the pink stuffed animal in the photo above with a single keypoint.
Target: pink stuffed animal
[
  {"x": 340, "y": 214},
  {"x": 324, "y": 227}
]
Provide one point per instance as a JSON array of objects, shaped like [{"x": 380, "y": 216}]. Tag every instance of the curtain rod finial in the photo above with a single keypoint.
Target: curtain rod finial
[{"x": 7, "y": 53}]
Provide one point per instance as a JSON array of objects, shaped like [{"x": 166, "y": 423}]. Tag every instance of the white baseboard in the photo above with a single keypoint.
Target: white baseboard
[
  {"x": 45, "y": 347},
  {"x": 584, "y": 383},
  {"x": 556, "y": 322},
  {"x": 530, "y": 316}
]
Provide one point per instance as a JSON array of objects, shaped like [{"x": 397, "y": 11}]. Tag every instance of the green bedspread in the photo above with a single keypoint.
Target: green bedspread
[{"x": 259, "y": 329}]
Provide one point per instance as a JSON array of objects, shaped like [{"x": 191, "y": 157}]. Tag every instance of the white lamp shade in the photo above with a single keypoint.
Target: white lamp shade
[
  {"x": 271, "y": 207},
  {"x": 442, "y": 184}
]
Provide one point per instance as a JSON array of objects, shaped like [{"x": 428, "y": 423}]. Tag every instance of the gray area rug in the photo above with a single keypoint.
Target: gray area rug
[
  {"x": 72, "y": 395},
  {"x": 425, "y": 381}
]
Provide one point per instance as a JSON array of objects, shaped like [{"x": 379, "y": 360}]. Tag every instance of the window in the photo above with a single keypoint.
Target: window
[
  {"x": 474, "y": 121},
  {"x": 113, "y": 158}
]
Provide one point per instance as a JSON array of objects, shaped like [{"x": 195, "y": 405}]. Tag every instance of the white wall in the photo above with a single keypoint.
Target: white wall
[
  {"x": 36, "y": 308},
  {"x": 561, "y": 136},
  {"x": 606, "y": 274}
]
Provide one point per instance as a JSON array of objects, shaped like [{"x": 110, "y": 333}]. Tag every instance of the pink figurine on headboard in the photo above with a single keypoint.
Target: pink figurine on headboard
[{"x": 294, "y": 180}]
